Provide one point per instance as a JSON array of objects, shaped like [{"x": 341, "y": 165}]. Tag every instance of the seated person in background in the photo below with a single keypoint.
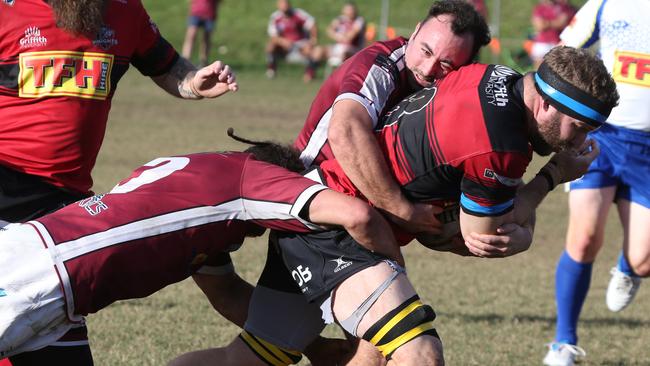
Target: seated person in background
[
  {"x": 292, "y": 35},
  {"x": 348, "y": 31},
  {"x": 548, "y": 19}
]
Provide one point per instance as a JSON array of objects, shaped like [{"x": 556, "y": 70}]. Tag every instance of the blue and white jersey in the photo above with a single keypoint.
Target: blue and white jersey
[{"x": 622, "y": 27}]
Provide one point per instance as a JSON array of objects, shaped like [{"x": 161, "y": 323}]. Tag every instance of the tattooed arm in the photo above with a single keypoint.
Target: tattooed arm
[{"x": 183, "y": 80}]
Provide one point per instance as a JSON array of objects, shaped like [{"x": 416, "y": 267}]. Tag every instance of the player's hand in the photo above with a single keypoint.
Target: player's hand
[
  {"x": 214, "y": 80},
  {"x": 574, "y": 164},
  {"x": 418, "y": 218},
  {"x": 510, "y": 239}
]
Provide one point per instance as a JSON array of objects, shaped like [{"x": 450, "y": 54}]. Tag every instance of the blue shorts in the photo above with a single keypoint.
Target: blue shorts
[
  {"x": 624, "y": 162},
  {"x": 207, "y": 24}
]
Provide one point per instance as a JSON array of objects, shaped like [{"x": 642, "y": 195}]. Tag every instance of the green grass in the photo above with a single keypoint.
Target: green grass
[{"x": 490, "y": 312}]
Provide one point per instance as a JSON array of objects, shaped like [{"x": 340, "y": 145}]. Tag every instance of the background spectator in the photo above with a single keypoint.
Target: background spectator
[
  {"x": 548, "y": 19},
  {"x": 203, "y": 14},
  {"x": 292, "y": 35},
  {"x": 348, "y": 32}
]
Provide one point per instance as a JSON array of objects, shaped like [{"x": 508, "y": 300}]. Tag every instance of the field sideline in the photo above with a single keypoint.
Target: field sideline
[{"x": 490, "y": 312}]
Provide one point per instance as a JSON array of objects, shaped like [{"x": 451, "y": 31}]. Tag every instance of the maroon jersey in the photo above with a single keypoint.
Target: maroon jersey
[
  {"x": 56, "y": 87},
  {"x": 464, "y": 141},
  {"x": 165, "y": 221},
  {"x": 294, "y": 26},
  {"x": 376, "y": 77}
]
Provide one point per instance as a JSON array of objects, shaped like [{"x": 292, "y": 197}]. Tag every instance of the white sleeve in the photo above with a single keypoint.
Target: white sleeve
[{"x": 583, "y": 31}]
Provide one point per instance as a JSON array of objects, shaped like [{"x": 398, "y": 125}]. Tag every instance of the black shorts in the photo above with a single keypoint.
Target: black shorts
[
  {"x": 24, "y": 197},
  {"x": 317, "y": 262}
]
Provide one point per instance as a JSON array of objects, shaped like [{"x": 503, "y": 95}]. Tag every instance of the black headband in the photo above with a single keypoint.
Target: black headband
[{"x": 568, "y": 99}]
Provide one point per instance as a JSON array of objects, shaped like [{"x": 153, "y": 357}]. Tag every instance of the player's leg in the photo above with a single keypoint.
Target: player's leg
[
  {"x": 380, "y": 305},
  {"x": 206, "y": 42},
  {"x": 190, "y": 37},
  {"x": 634, "y": 260},
  {"x": 633, "y": 198},
  {"x": 588, "y": 210}
]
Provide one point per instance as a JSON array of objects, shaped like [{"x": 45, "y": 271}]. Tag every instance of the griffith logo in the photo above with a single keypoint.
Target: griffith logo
[
  {"x": 32, "y": 38},
  {"x": 340, "y": 264}
]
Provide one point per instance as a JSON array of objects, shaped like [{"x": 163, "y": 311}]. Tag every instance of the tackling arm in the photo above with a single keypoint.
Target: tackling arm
[
  {"x": 361, "y": 221},
  {"x": 229, "y": 294},
  {"x": 356, "y": 149}
]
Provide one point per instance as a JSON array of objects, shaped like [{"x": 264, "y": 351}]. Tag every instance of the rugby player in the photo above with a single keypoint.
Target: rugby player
[
  {"x": 172, "y": 218},
  {"x": 62, "y": 61},
  {"x": 466, "y": 141},
  {"x": 616, "y": 29},
  {"x": 369, "y": 84}
]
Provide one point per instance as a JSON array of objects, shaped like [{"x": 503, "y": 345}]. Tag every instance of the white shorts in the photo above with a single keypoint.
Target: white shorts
[{"x": 32, "y": 306}]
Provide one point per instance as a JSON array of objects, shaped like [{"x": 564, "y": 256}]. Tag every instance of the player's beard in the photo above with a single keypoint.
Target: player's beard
[
  {"x": 549, "y": 139},
  {"x": 84, "y": 17}
]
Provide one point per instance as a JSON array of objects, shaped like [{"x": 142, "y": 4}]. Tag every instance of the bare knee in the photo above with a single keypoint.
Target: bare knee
[{"x": 584, "y": 246}]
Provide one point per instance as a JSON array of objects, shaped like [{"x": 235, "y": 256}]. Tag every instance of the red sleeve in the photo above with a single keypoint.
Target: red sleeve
[
  {"x": 153, "y": 55},
  {"x": 490, "y": 182},
  {"x": 273, "y": 196}
]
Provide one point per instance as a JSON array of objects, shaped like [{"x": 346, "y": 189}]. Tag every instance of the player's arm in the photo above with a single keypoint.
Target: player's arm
[
  {"x": 228, "y": 293},
  {"x": 355, "y": 147},
  {"x": 183, "y": 80},
  {"x": 365, "y": 224},
  {"x": 512, "y": 233}
]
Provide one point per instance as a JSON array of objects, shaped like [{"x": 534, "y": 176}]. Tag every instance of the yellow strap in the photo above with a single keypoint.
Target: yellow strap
[
  {"x": 261, "y": 351},
  {"x": 279, "y": 352},
  {"x": 396, "y": 319},
  {"x": 391, "y": 346}
]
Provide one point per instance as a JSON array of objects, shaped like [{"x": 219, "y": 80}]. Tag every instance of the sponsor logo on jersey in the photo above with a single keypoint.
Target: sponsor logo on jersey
[
  {"x": 105, "y": 38},
  {"x": 3, "y": 293},
  {"x": 496, "y": 89},
  {"x": 632, "y": 68},
  {"x": 32, "y": 38},
  {"x": 58, "y": 73},
  {"x": 94, "y": 205},
  {"x": 340, "y": 264}
]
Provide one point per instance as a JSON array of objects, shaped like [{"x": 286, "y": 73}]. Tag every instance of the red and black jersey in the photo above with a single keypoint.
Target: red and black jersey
[
  {"x": 376, "y": 77},
  {"x": 165, "y": 221},
  {"x": 56, "y": 87},
  {"x": 464, "y": 140}
]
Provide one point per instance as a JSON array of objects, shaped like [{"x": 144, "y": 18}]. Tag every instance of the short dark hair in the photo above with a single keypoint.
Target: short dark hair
[
  {"x": 282, "y": 155},
  {"x": 466, "y": 20},
  {"x": 584, "y": 71}
]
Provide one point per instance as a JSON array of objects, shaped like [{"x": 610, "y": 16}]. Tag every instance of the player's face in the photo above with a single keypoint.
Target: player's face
[
  {"x": 283, "y": 5},
  {"x": 434, "y": 50},
  {"x": 561, "y": 132},
  {"x": 349, "y": 11}
]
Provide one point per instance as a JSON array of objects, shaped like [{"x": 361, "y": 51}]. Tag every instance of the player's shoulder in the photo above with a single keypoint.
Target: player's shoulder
[{"x": 301, "y": 13}]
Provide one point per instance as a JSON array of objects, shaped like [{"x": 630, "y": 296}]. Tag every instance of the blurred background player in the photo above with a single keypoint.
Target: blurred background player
[
  {"x": 55, "y": 97},
  {"x": 348, "y": 32},
  {"x": 549, "y": 18},
  {"x": 620, "y": 174},
  {"x": 203, "y": 14},
  {"x": 292, "y": 35}
]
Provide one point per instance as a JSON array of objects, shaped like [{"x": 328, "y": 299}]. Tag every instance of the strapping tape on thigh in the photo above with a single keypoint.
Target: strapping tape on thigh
[
  {"x": 267, "y": 352},
  {"x": 409, "y": 320},
  {"x": 351, "y": 323}
]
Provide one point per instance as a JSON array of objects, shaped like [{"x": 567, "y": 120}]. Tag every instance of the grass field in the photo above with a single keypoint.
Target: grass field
[{"x": 490, "y": 312}]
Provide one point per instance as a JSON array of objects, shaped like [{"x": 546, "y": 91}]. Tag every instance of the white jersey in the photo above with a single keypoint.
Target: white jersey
[{"x": 622, "y": 28}]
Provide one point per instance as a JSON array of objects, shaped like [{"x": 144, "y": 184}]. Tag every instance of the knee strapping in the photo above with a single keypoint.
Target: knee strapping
[
  {"x": 409, "y": 320},
  {"x": 270, "y": 354}
]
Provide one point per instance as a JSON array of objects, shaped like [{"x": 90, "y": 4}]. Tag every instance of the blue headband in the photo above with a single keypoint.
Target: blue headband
[{"x": 568, "y": 99}]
